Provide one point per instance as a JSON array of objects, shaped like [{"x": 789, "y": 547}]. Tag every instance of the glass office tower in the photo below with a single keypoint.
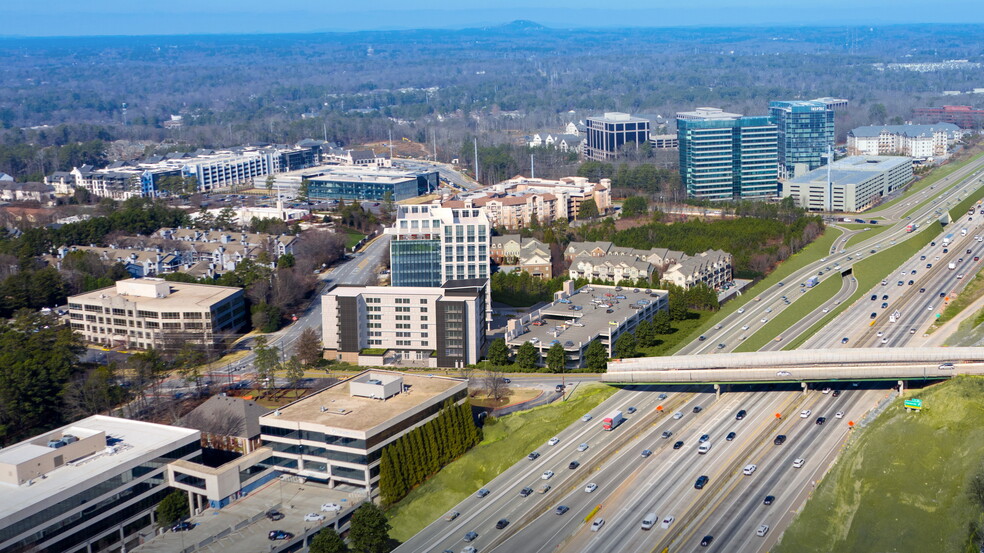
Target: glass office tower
[{"x": 805, "y": 131}]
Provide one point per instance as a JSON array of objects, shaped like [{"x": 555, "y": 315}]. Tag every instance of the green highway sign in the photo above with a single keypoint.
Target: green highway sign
[{"x": 913, "y": 404}]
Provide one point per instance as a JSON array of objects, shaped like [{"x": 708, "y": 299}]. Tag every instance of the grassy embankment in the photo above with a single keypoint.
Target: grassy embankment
[
  {"x": 931, "y": 179},
  {"x": 875, "y": 230},
  {"x": 507, "y": 441},
  {"x": 900, "y": 483},
  {"x": 812, "y": 299}
]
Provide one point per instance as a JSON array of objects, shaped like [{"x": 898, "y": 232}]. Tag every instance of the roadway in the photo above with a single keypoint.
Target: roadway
[{"x": 446, "y": 172}]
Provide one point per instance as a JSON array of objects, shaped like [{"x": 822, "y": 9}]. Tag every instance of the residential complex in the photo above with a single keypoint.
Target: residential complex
[
  {"x": 607, "y": 134},
  {"x": 805, "y": 133},
  {"x": 852, "y": 184},
  {"x": 562, "y": 142},
  {"x": 520, "y": 202},
  {"x": 513, "y": 252},
  {"x": 154, "y": 313},
  {"x": 90, "y": 486},
  {"x": 433, "y": 244},
  {"x": 438, "y": 326},
  {"x": 964, "y": 117},
  {"x": 916, "y": 141},
  {"x": 610, "y": 263},
  {"x": 727, "y": 156},
  {"x": 578, "y": 317},
  {"x": 337, "y": 435}
]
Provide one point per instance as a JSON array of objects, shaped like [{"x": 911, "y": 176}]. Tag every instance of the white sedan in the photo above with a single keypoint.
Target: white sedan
[
  {"x": 314, "y": 517},
  {"x": 554, "y": 441},
  {"x": 590, "y": 487},
  {"x": 749, "y": 469},
  {"x": 798, "y": 463},
  {"x": 547, "y": 475},
  {"x": 805, "y": 413},
  {"x": 331, "y": 507}
]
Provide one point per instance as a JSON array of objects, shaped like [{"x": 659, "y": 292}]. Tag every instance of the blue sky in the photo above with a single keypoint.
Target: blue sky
[{"x": 129, "y": 17}]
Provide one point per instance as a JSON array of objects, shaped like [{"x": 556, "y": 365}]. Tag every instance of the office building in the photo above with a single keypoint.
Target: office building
[
  {"x": 964, "y": 117},
  {"x": 337, "y": 435},
  {"x": 608, "y": 134},
  {"x": 805, "y": 133},
  {"x": 90, "y": 486},
  {"x": 433, "y": 244},
  {"x": 434, "y": 326},
  {"x": 853, "y": 184},
  {"x": 367, "y": 182},
  {"x": 916, "y": 141},
  {"x": 727, "y": 156},
  {"x": 154, "y": 313},
  {"x": 520, "y": 201}
]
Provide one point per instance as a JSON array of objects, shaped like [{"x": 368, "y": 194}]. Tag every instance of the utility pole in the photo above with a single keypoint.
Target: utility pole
[
  {"x": 325, "y": 127},
  {"x": 391, "y": 144},
  {"x": 532, "y": 171},
  {"x": 830, "y": 182},
  {"x": 434, "y": 142},
  {"x": 476, "y": 159}
]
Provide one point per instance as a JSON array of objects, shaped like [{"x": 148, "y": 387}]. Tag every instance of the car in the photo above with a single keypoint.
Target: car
[
  {"x": 740, "y": 415},
  {"x": 701, "y": 482},
  {"x": 471, "y": 536},
  {"x": 585, "y": 418},
  {"x": 929, "y": 265},
  {"x": 874, "y": 297},
  {"x": 582, "y": 447},
  {"x": 922, "y": 258},
  {"x": 183, "y": 526},
  {"x": 451, "y": 515},
  {"x": 780, "y": 439},
  {"x": 590, "y": 487},
  {"x": 596, "y": 525},
  {"x": 731, "y": 436},
  {"x": 922, "y": 290},
  {"x": 884, "y": 340},
  {"x": 900, "y": 283},
  {"x": 666, "y": 434},
  {"x": 768, "y": 310},
  {"x": 678, "y": 415},
  {"x": 483, "y": 492},
  {"x": 826, "y": 390},
  {"x": 561, "y": 509},
  {"x": 946, "y": 366},
  {"x": 469, "y": 549},
  {"x": 959, "y": 276},
  {"x": 667, "y": 521},
  {"x": 706, "y": 540},
  {"x": 533, "y": 456},
  {"x": 314, "y": 517},
  {"x": 646, "y": 453},
  {"x": 745, "y": 327},
  {"x": 845, "y": 340},
  {"x": 821, "y": 420},
  {"x": 698, "y": 409},
  {"x": 839, "y": 415},
  {"x": 769, "y": 499},
  {"x": 526, "y": 492},
  {"x": 762, "y": 530},
  {"x": 678, "y": 445},
  {"x": 274, "y": 514},
  {"x": 501, "y": 524},
  {"x": 764, "y": 320},
  {"x": 805, "y": 413},
  {"x": 911, "y": 282},
  {"x": 798, "y": 463},
  {"x": 630, "y": 410},
  {"x": 836, "y": 393},
  {"x": 701, "y": 338},
  {"x": 507, "y": 381},
  {"x": 331, "y": 507},
  {"x": 942, "y": 294},
  {"x": 704, "y": 438},
  {"x": 573, "y": 465},
  {"x": 784, "y": 373},
  {"x": 721, "y": 346},
  {"x": 741, "y": 310},
  {"x": 547, "y": 475},
  {"x": 826, "y": 310},
  {"x": 884, "y": 305},
  {"x": 873, "y": 315},
  {"x": 554, "y": 441},
  {"x": 661, "y": 397},
  {"x": 275, "y": 535},
  {"x": 749, "y": 469},
  {"x": 879, "y": 333}
]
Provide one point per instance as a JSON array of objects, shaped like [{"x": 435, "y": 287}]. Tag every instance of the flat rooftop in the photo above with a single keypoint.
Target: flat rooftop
[
  {"x": 852, "y": 170},
  {"x": 182, "y": 294},
  {"x": 132, "y": 440},
  {"x": 360, "y": 413},
  {"x": 563, "y": 319}
]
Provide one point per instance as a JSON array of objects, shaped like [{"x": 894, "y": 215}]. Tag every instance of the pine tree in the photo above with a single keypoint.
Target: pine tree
[
  {"x": 388, "y": 492},
  {"x": 433, "y": 455},
  {"x": 369, "y": 530}
]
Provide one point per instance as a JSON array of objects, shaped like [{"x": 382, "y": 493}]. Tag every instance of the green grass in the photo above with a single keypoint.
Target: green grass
[
  {"x": 870, "y": 271},
  {"x": 862, "y": 236},
  {"x": 812, "y": 299},
  {"x": 961, "y": 208},
  {"x": 970, "y": 294},
  {"x": 900, "y": 483},
  {"x": 505, "y": 442},
  {"x": 817, "y": 250},
  {"x": 352, "y": 237},
  {"x": 932, "y": 178}
]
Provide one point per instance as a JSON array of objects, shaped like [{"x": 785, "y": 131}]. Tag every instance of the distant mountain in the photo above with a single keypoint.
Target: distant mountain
[{"x": 519, "y": 25}]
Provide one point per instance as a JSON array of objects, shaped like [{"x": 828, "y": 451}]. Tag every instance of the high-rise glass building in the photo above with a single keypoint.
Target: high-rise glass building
[
  {"x": 805, "y": 132},
  {"x": 433, "y": 244},
  {"x": 609, "y": 133},
  {"x": 727, "y": 156}
]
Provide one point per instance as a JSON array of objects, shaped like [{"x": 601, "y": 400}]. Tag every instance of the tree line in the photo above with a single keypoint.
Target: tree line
[{"x": 419, "y": 454}]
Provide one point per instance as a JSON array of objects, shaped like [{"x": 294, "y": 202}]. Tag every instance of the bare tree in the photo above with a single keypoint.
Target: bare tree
[{"x": 494, "y": 383}]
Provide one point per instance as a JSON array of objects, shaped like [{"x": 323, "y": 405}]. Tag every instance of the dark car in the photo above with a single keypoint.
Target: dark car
[
  {"x": 844, "y": 340},
  {"x": 884, "y": 304},
  {"x": 561, "y": 509},
  {"x": 701, "y": 482},
  {"x": 730, "y": 436},
  {"x": 704, "y": 438},
  {"x": 661, "y": 396},
  {"x": 275, "y": 535},
  {"x": 922, "y": 290},
  {"x": 836, "y": 393},
  {"x": 698, "y": 409},
  {"x": 874, "y": 297},
  {"x": 501, "y": 524},
  {"x": 630, "y": 410},
  {"x": 701, "y": 338},
  {"x": 470, "y": 536},
  {"x": 533, "y": 456},
  {"x": 274, "y": 515},
  {"x": 183, "y": 526},
  {"x": 483, "y": 492},
  {"x": 526, "y": 492},
  {"x": 780, "y": 439},
  {"x": 740, "y": 415},
  {"x": 646, "y": 453},
  {"x": 678, "y": 445},
  {"x": 573, "y": 465},
  {"x": 707, "y": 540},
  {"x": 821, "y": 420},
  {"x": 873, "y": 315},
  {"x": 769, "y": 499},
  {"x": 885, "y": 297}
]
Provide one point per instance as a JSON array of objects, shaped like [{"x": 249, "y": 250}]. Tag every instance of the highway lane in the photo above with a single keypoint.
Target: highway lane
[{"x": 848, "y": 287}]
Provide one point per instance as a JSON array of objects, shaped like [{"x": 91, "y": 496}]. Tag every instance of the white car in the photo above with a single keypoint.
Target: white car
[
  {"x": 667, "y": 521},
  {"x": 768, "y": 310},
  {"x": 678, "y": 415},
  {"x": 744, "y": 327},
  {"x": 764, "y": 320},
  {"x": 798, "y": 463},
  {"x": 879, "y": 334},
  {"x": 840, "y": 414},
  {"x": 805, "y": 413},
  {"x": 749, "y": 469},
  {"x": 331, "y": 507},
  {"x": 547, "y": 475},
  {"x": 590, "y": 487},
  {"x": 741, "y": 310},
  {"x": 762, "y": 530},
  {"x": 554, "y": 441},
  {"x": 314, "y": 517},
  {"x": 826, "y": 390},
  {"x": 784, "y": 373},
  {"x": 582, "y": 447},
  {"x": 826, "y": 310},
  {"x": 596, "y": 525},
  {"x": 586, "y": 418}
]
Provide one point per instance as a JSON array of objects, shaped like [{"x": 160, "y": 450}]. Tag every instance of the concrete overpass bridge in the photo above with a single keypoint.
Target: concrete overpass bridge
[{"x": 799, "y": 366}]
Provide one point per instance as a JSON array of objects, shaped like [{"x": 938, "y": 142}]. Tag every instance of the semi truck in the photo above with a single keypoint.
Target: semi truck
[
  {"x": 614, "y": 419},
  {"x": 947, "y": 239},
  {"x": 812, "y": 281}
]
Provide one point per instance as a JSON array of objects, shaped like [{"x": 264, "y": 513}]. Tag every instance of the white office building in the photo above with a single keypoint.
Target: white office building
[{"x": 853, "y": 184}]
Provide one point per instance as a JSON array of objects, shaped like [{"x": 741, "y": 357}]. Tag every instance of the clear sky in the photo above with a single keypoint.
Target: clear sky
[{"x": 141, "y": 17}]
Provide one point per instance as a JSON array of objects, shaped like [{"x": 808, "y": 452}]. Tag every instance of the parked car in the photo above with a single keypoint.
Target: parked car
[
  {"x": 183, "y": 526},
  {"x": 314, "y": 517},
  {"x": 331, "y": 507},
  {"x": 274, "y": 515},
  {"x": 275, "y": 535}
]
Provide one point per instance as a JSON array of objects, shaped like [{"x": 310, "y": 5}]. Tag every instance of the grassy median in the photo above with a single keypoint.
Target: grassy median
[
  {"x": 931, "y": 179},
  {"x": 505, "y": 442},
  {"x": 900, "y": 485},
  {"x": 875, "y": 230},
  {"x": 780, "y": 321}
]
